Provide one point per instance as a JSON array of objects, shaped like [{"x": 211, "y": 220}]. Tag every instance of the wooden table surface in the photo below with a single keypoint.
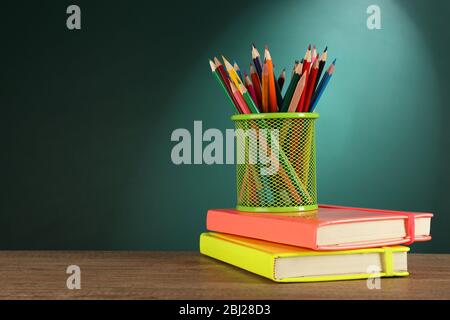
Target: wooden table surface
[{"x": 188, "y": 275}]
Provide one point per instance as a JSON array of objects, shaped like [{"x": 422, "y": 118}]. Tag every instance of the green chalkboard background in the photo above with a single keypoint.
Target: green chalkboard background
[{"x": 86, "y": 116}]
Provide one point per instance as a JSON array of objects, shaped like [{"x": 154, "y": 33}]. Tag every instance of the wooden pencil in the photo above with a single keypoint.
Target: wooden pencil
[
  {"x": 257, "y": 61},
  {"x": 313, "y": 55},
  {"x": 322, "y": 85},
  {"x": 232, "y": 73},
  {"x": 277, "y": 90},
  {"x": 273, "y": 106},
  {"x": 322, "y": 61},
  {"x": 224, "y": 81},
  {"x": 281, "y": 79},
  {"x": 305, "y": 70},
  {"x": 248, "y": 99},
  {"x": 225, "y": 86},
  {"x": 291, "y": 88},
  {"x": 238, "y": 71},
  {"x": 307, "y": 60},
  {"x": 297, "y": 94},
  {"x": 256, "y": 86},
  {"x": 242, "y": 104},
  {"x": 251, "y": 89},
  {"x": 310, "y": 85},
  {"x": 265, "y": 89}
]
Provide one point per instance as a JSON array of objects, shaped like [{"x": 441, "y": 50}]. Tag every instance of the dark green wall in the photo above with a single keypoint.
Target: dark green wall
[{"x": 87, "y": 115}]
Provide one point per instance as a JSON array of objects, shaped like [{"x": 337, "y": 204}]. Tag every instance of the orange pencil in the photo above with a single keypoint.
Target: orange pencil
[
  {"x": 265, "y": 89},
  {"x": 256, "y": 86},
  {"x": 242, "y": 105},
  {"x": 273, "y": 105},
  {"x": 310, "y": 85}
]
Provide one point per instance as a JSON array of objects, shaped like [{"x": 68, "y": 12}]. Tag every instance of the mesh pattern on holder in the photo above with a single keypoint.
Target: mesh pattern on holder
[{"x": 276, "y": 162}]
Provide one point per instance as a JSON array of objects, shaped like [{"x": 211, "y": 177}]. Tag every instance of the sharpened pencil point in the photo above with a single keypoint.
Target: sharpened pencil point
[
  {"x": 334, "y": 62},
  {"x": 213, "y": 66},
  {"x": 326, "y": 48},
  {"x": 309, "y": 47},
  {"x": 217, "y": 61}
]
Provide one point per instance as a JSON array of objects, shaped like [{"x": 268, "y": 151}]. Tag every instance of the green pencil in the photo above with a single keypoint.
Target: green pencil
[
  {"x": 217, "y": 76},
  {"x": 248, "y": 99},
  {"x": 291, "y": 89}
]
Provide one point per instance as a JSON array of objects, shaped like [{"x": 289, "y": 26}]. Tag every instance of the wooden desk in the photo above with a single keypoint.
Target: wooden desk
[{"x": 188, "y": 275}]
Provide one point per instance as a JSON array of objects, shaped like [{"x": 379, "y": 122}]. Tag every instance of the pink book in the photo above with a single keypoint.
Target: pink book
[{"x": 328, "y": 228}]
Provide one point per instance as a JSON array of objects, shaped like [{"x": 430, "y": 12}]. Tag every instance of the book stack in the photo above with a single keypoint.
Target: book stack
[{"x": 331, "y": 243}]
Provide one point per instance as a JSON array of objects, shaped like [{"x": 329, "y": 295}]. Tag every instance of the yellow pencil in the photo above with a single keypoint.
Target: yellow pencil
[{"x": 232, "y": 73}]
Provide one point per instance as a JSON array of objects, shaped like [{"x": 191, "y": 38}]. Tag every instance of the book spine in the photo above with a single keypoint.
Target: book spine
[{"x": 250, "y": 259}]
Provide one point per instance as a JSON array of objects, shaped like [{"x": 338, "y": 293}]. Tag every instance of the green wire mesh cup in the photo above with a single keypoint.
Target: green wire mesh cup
[{"x": 276, "y": 162}]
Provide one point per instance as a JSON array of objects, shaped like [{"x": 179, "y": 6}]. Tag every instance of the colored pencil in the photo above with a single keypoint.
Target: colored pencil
[
  {"x": 281, "y": 79},
  {"x": 291, "y": 88},
  {"x": 265, "y": 89},
  {"x": 224, "y": 81},
  {"x": 307, "y": 60},
  {"x": 323, "y": 84},
  {"x": 273, "y": 106},
  {"x": 322, "y": 61},
  {"x": 242, "y": 104},
  {"x": 256, "y": 86},
  {"x": 248, "y": 99},
  {"x": 297, "y": 93},
  {"x": 251, "y": 89},
  {"x": 305, "y": 70},
  {"x": 238, "y": 71},
  {"x": 224, "y": 86},
  {"x": 232, "y": 73},
  {"x": 296, "y": 62},
  {"x": 310, "y": 85},
  {"x": 257, "y": 61},
  {"x": 277, "y": 91},
  {"x": 313, "y": 55}
]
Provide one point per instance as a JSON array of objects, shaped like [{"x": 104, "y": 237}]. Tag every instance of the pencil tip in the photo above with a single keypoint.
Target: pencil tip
[
  {"x": 309, "y": 47},
  {"x": 326, "y": 48},
  {"x": 334, "y": 61},
  {"x": 212, "y": 65},
  {"x": 225, "y": 60}
]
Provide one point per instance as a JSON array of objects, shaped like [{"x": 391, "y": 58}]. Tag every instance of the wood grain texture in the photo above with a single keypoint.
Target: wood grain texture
[{"x": 188, "y": 275}]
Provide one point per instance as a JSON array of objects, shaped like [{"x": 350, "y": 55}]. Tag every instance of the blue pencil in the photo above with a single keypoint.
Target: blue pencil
[
  {"x": 257, "y": 61},
  {"x": 238, "y": 71},
  {"x": 322, "y": 86}
]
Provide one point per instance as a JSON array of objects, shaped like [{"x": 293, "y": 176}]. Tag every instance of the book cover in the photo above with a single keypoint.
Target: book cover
[{"x": 328, "y": 228}]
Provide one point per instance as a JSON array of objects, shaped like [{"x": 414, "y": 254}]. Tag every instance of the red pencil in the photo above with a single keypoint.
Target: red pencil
[
  {"x": 305, "y": 70},
  {"x": 310, "y": 86},
  {"x": 249, "y": 86},
  {"x": 307, "y": 60},
  {"x": 256, "y": 86},
  {"x": 243, "y": 106},
  {"x": 224, "y": 76}
]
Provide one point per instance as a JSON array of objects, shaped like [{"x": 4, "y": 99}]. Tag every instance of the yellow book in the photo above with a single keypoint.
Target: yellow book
[{"x": 283, "y": 263}]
